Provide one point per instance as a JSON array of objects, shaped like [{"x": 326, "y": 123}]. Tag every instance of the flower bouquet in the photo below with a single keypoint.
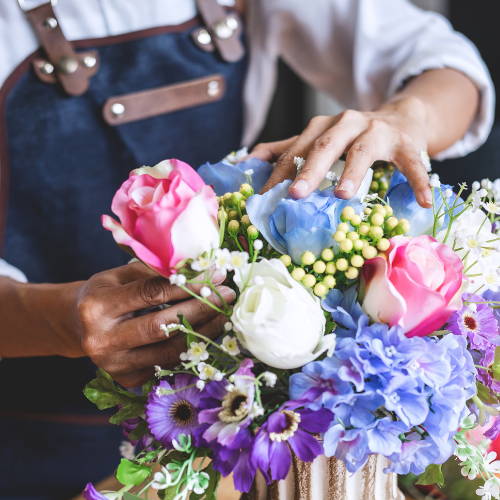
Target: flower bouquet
[{"x": 362, "y": 328}]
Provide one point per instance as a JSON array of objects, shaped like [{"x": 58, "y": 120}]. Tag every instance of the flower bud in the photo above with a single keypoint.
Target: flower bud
[
  {"x": 367, "y": 211},
  {"x": 353, "y": 235},
  {"x": 383, "y": 244},
  {"x": 347, "y": 213},
  {"x": 359, "y": 245},
  {"x": 374, "y": 186},
  {"x": 298, "y": 273},
  {"x": 377, "y": 219},
  {"x": 286, "y": 259},
  {"x": 236, "y": 198},
  {"x": 331, "y": 268},
  {"x": 342, "y": 264},
  {"x": 388, "y": 210},
  {"x": 319, "y": 267},
  {"x": 343, "y": 227},
  {"x": 339, "y": 236},
  {"x": 245, "y": 220},
  {"x": 246, "y": 190},
  {"x": 346, "y": 245},
  {"x": 376, "y": 232},
  {"x": 355, "y": 220},
  {"x": 402, "y": 227},
  {"x": 252, "y": 232},
  {"x": 243, "y": 205},
  {"x": 329, "y": 281},
  {"x": 352, "y": 273},
  {"x": 357, "y": 261},
  {"x": 232, "y": 214},
  {"x": 309, "y": 280},
  {"x": 307, "y": 258},
  {"x": 364, "y": 228},
  {"x": 369, "y": 252},
  {"x": 320, "y": 290},
  {"x": 391, "y": 223},
  {"x": 233, "y": 227},
  {"x": 327, "y": 254}
]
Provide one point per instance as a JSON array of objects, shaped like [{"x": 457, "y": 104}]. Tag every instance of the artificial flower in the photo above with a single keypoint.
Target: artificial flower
[
  {"x": 295, "y": 226},
  {"x": 227, "y": 176},
  {"x": 90, "y": 493},
  {"x": 415, "y": 285},
  {"x": 276, "y": 318},
  {"x": 169, "y": 415},
  {"x": 167, "y": 215},
  {"x": 291, "y": 428}
]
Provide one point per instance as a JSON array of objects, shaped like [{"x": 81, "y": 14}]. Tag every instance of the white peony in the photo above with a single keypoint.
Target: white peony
[{"x": 276, "y": 318}]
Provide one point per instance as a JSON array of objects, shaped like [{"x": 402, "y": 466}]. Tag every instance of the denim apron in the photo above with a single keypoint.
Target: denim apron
[{"x": 65, "y": 157}]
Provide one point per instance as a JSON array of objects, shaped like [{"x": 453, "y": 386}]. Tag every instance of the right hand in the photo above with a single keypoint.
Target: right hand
[{"x": 128, "y": 346}]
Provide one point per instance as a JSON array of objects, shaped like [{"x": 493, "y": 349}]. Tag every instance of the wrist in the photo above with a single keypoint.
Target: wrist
[{"x": 52, "y": 317}]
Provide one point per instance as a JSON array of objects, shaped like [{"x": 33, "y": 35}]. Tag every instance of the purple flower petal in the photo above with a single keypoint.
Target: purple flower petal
[
  {"x": 281, "y": 460},
  {"x": 305, "y": 446}
]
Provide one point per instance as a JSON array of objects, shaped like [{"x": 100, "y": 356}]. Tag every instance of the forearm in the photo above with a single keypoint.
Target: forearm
[
  {"x": 35, "y": 319},
  {"x": 449, "y": 101}
]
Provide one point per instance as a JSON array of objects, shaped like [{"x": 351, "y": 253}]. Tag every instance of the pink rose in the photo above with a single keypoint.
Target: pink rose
[
  {"x": 167, "y": 214},
  {"x": 416, "y": 285}
]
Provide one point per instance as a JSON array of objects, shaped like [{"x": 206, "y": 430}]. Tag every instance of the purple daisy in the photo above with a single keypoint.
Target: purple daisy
[
  {"x": 289, "y": 428},
  {"x": 476, "y": 320},
  {"x": 229, "y": 408},
  {"x": 169, "y": 415},
  {"x": 90, "y": 493}
]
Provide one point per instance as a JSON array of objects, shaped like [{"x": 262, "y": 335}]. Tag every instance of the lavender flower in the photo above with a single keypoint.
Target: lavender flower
[
  {"x": 493, "y": 432},
  {"x": 90, "y": 493},
  {"x": 169, "y": 415},
  {"x": 476, "y": 321},
  {"x": 289, "y": 428}
]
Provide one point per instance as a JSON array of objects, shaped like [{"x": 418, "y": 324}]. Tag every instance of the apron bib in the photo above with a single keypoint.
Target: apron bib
[{"x": 167, "y": 92}]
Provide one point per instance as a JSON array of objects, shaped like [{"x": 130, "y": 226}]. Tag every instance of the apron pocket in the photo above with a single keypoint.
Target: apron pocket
[{"x": 147, "y": 103}]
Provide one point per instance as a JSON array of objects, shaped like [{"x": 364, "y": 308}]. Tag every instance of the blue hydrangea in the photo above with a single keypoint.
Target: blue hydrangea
[{"x": 381, "y": 385}]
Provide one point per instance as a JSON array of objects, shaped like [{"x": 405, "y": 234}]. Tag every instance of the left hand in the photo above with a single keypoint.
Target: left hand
[{"x": 396, "y": 133}]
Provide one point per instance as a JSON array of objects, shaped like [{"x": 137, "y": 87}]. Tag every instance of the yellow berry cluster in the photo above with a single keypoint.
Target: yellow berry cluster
[
  {"x": 232, "y": 214},
  {"x": 382, "y": 172},
  {"x": 357, "y": 239}
]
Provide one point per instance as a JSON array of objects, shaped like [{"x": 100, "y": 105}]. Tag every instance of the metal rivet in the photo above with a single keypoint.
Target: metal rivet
[
  {"x": 50, "y": 23},
  {"x": 213, "y": 88},
  {"x": 46, "y": 68},
  {"x": 223, "y": 30},
  {"x": 117, "y": 108},
  {"x": 67, "y": 65},
  {"x": 89, "y": 61},
  {"x": 232, "y": 22},
  {"x": 203, "y": 37}
]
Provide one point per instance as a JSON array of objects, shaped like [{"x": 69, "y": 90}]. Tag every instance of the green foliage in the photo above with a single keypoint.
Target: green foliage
[
  {"x": 212, "y": 485},
  {"x": 432, "y": 475},
  {"x": 132, "y": 474},
  {"x": 105, "y": 394},
  {"x": 130, "y": 496}
]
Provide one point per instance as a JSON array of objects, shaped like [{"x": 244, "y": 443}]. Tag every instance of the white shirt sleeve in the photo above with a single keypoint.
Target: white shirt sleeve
[
  {"x": 362, "y": 51},
  {"x": 12, "y": 272}
]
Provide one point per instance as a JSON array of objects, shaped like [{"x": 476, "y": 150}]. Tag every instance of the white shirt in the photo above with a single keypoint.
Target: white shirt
[{"x": 358, "y": 51}]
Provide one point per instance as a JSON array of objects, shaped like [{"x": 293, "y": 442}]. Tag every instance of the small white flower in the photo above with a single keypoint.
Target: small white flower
[
  {"x": 331, "y": 176},
  {"x": 434, "y": 181},
  {"x": 196, "y": 353},
  {"x": 475, "y": 186},
  {"x": 492, "y": 207},
  {"x": 491, "y": 464},
  {"x": 200, "y": 384},
  {"x": 223, "y": 259},
  {"x": 201, "y": 264},
  {"x": 298, "y": 161},
  {"x": 228, "y": 326},
  {"x": 235, "y": 156},
  {"x": 490, "y": 489},
  {"x": 205, "y": 292},
  {"x": 177, "y": 279},
  {"x": 256, "y": 411},
  {"x": 270, "y": 378},
  {"x": 238, "y": 259},
  {"x": 162, "y": 480},
  {"x": 127, "y": 450},
  {"x": 209, "y": 372},
  {"x": 249, "y": 172},
  {"x": 166, "y": 329},
  {"x": 448, "y": 193},
  {"x": 158, "y": 371},
  {"x": 486, "y": 184},
  {"x": 230, "y": 345},
  {"x": 258, "y": 245}
]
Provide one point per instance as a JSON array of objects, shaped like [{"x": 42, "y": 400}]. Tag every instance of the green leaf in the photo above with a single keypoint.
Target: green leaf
[
  {"x": 431, "y": 475},
  {"x": 131, "y": 474},
  {"x": 131, "y": 410},
  {"x": 130, "y": 496},
  {"x": 104, "y": 393},
  {"x": 139, "y": 431}
]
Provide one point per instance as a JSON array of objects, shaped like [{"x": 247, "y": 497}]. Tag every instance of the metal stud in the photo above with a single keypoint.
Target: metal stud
[
  {"x": 46, "y": 68},
  {"x": 117, "y": 108},
  {"x": 89, "y": 61},
  {"x": 50, "y": 23},
  {"x": 67, "y": 65},
  {"x": 203, "y": 37},
  {"x": 213, "y": 88},
  {"x": 223, "y": 30}
]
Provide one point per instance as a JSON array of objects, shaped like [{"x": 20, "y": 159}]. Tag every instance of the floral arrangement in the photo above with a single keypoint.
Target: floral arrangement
[{"x": 362, "y": 326}]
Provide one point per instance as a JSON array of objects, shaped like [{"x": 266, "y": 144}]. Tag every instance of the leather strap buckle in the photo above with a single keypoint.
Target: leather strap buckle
[{"x": 73, "y": 71}]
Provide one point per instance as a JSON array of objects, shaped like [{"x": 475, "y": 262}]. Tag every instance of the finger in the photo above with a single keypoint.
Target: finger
[
  {"x": 147, "y": 329},
  {"x": 325, "y": 151},
  {"x": 409, "y": 162},
  {"x": 361, "y": 156},
  {"x": 125, "y": 274},
  {"x": 166, "y": 354},
  {"x": 285, "y": 167},
  {"x": 150, "y": 291},
  {"x": 271, "y": 151}
]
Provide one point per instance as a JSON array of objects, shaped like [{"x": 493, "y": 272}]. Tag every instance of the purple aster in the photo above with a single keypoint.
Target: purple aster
[
  {"x": 90, "y": 493},
  {"x": 494, "y": 299},
  {"x": 476, "y": 320},
  {"x": 229, "y": 408},
  {"x": 169, "y": 415},
  {"x": 494, "y": 431},
  {"x": 289, "y": 428}
]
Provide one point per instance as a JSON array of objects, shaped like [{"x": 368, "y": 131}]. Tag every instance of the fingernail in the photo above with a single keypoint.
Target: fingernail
[
  {"x": 345, "y": 187},
  {"x": 426, "y": 199},
  {"x": 300, "y": 187},
  {"x": 218, "y": 277},
  {"x": 227, "y": 293}
]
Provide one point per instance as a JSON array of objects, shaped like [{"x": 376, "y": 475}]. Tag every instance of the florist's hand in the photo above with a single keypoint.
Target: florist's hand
[
  {"x": 396, "y": 133},
  {"x": 126, "y": 345}
]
